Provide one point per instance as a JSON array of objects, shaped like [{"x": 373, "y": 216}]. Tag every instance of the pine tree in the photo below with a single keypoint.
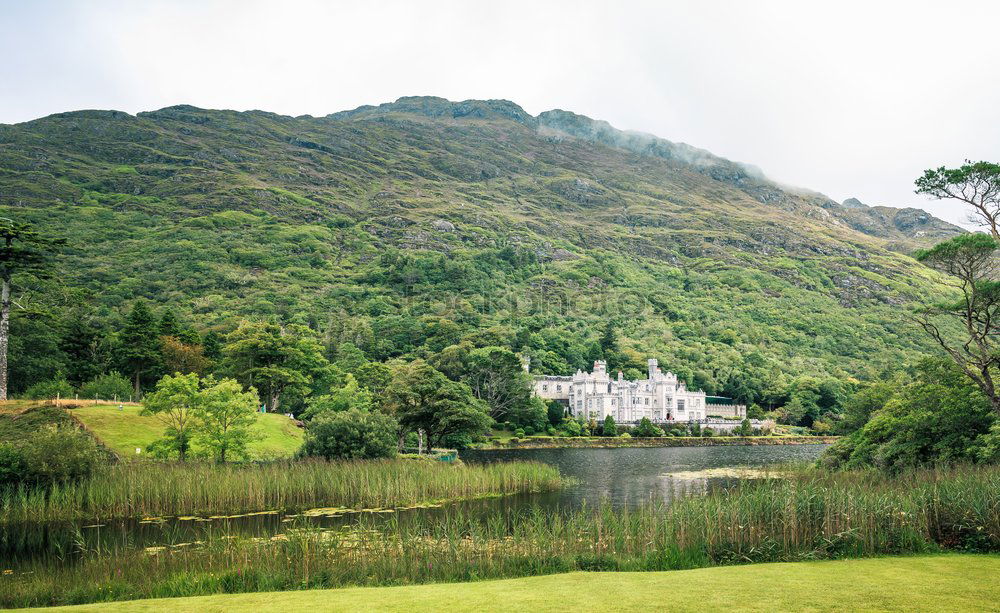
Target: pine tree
[
  {"x": 169, "y": 326},
  {"x": 22, "y": 251},
  {"x": 139, "y": 344},
  {"x": 610, "y": 429}
]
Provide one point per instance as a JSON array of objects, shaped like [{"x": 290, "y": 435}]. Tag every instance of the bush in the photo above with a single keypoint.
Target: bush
[
  {"x": 107, "y": 387},
  {"x": 528, "y": 430},
  {"x": 13, "y": 468},
  {"x": 351, "y": 434},
  {"x": 55, "y": 454},
  {"x": 646, "y": 428},
  {"x": 571, "y": 427},
  {"x": 707, "y": 432},
  {"x": 624, "y": 435},
  {"x": 519, "y": 433},
  {"x": 43, "y": 390}
]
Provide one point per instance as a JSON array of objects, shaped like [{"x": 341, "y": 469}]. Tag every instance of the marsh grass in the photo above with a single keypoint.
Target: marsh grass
[
  {"x": 808, "y": 515},
  {"x": 143, "y": 489}
]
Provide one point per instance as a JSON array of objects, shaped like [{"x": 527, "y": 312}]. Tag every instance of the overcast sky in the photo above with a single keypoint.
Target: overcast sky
[{"x": 847, "y": 98}]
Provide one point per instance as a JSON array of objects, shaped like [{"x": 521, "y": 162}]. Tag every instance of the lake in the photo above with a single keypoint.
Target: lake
[
  {"x": 632, "y": 476},
  {"x": 621, "y": 477}
]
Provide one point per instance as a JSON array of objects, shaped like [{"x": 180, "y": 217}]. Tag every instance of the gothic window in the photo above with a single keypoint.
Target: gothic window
[
  {"x": 647, "y": 400},
  {"x": 545, "y": 388},
  {"x": 680, "y": 405},
  {"x": 558, "y": 388}
]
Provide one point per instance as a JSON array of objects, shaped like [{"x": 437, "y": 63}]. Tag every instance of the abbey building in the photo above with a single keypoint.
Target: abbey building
[{"x": 660, "y": 396}]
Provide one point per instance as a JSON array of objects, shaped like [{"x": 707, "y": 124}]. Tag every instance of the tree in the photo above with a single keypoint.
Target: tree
[
  {"x": 173, "y": 403},
  {"x": 349, "y": 357},
  {"x": 23, "y": 251},
  {"x": 139, "y": 344},
  {"x": 226, "y": 417},
  {"x": 212, "y": 346},
  {"x": 375, "y": 377},
  {"x": 182, "y": 357},
  {"x": 423, "y": 399},
  {"x": 938, "y": 418},
  {"x": 556, "y": 412},
  {"x": 974, "y": 183},
  {"x": 351, "y": 434},
  {"x": 970, "y": 259},
  {"x": 280, "y": 362},
  {"x": 169, "y": 325},
  {"x": 350, "y": 396},
  {"x": 496, "y": 376},
  {"x": 610, "y": 429}
]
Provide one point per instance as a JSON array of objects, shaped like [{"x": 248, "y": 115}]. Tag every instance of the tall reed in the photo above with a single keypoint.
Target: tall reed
[
  {"x": 810, "y": 515},
  {"x": 147, "y": 489}
]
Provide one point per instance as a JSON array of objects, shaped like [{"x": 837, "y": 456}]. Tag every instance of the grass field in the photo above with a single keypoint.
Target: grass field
[
  {"x": 125, "y": 430},
  {"x": 924, "y": 583}
]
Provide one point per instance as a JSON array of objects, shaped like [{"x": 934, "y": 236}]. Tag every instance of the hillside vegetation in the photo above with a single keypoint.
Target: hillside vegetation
[{"x": 411, "y": 226}]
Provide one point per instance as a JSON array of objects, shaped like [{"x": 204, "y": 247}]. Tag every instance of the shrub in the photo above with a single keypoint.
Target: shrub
[
  {"x": 624, "y": 435},
  {"x": 571, "y": 427},
  {"x": 707, "y": 432},
  {"x": 43, "y": 390},
  {"x": 528, "y": 430},
  {"x": 13, "y": 468},
  {"x": 519, "y": 433},
  {"x": 351, "y": 434},
  {"x": 107, "y": 387},
  {"x": 55, "y": 454},
  {"x": 646, "y": 428}
]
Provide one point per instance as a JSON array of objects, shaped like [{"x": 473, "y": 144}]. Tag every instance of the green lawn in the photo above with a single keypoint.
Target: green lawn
[
  {"x": 925, "y": 583},
  {"x": 125, "y": 430}
]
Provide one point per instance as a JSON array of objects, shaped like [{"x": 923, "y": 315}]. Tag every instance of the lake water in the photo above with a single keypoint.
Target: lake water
[
  {"x": 633, "y": 476},
  {"x": 620, "y": 477}
]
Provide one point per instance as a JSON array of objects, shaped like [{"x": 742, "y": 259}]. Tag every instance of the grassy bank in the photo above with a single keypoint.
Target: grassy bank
[
  {"x": 125, "y": 430},
  {"x": 137, "y": 489},
  {"x": 933, "y": 583},
  {"x": 811, "y": 515},
  {"x": 604, "y": 442}
]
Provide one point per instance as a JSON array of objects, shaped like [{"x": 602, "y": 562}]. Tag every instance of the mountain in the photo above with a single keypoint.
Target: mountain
[{"x": 412, "y": 225}]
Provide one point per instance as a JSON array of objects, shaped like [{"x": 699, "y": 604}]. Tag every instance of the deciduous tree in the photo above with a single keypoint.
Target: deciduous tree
[{"x": 226, "y": 417}]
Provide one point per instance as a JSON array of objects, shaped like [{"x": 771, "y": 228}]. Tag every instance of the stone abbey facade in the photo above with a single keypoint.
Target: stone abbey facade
[{"x": 660, "y": 396}]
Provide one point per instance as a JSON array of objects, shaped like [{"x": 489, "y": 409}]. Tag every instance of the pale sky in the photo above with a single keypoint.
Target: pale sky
[{"x": 846, "y": 98}]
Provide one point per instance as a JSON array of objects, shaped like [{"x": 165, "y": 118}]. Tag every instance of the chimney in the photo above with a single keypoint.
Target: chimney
[{"x": 620, "y": 376}]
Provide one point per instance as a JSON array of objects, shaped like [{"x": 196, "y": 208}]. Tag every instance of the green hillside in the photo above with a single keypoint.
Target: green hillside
[{"x": 409, "y": 227}]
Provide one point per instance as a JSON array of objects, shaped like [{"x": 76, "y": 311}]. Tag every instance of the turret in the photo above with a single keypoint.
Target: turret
[{"x": 653, "y": 367}]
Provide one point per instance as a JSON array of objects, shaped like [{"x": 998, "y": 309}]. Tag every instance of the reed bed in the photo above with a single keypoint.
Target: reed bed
[
  {"x": 139, "y": 489},
  {"x": 809, "y": 515}
]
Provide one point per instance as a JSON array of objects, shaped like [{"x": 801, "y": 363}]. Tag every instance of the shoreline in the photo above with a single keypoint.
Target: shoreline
[{"x": 599, "y": 442}]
